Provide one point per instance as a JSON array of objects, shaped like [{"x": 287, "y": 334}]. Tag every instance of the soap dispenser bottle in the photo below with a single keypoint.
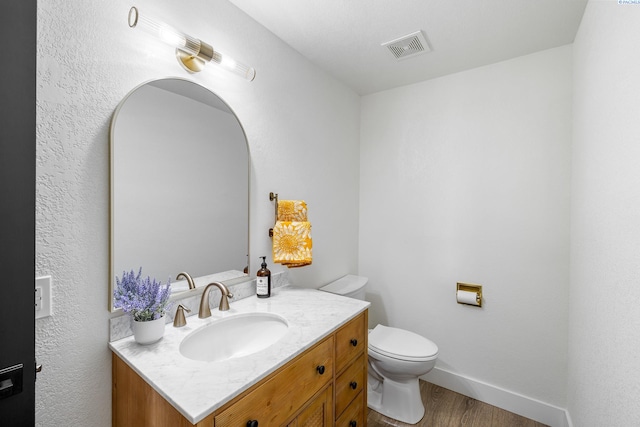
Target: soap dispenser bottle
[{"x": 263, "y": 279}]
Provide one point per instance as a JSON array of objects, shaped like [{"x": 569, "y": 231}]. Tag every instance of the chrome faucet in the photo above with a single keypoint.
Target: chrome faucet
[
  {"x": 205, "y": 311},
  {"x": 186, "y": 275}
]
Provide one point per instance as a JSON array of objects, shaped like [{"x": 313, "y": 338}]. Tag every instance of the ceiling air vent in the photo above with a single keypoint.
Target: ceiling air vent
[{"x": 407, "y": 46}]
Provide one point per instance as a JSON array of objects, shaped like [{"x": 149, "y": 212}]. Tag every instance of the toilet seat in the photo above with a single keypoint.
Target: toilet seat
[{"x": 401, "y": 344}]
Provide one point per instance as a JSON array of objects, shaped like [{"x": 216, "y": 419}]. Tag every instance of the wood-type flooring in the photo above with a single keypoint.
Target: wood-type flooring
[{"x": 446, "y": 408}]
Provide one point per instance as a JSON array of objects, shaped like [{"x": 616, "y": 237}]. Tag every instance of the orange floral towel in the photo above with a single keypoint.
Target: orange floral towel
[
  {"x": 292, "y": 210},
  {"x": 292, "y": 243}
]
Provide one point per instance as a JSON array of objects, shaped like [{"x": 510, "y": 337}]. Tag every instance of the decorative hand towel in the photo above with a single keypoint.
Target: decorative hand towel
[
  {"x": 292, "y": 210},
  {"x": 292, "y": 243}
]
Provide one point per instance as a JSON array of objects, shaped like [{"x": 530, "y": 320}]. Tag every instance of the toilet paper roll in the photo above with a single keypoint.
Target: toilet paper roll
[{"x": 467, "y": 297}]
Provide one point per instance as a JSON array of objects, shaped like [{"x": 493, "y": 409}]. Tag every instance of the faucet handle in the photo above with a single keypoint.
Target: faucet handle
[
  {"x": 179, "y": 320},
  {"x": 224, "y": 301}
]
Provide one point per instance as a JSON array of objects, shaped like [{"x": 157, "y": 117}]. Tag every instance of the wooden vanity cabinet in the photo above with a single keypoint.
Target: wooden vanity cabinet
[
  {"x": 351, "y": 373},
  {"x": 356, "y": 413},
  {"x": 135, "y": 403},
  {"x": 349, "y": 384},
  {"x": 273, "y": 402},
  {"x": 318, "y": 412},
  {"x": 324, "y": 386}
]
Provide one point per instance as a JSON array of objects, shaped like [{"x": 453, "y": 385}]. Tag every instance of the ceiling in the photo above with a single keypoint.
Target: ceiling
[{"x": 344, "y": 37}]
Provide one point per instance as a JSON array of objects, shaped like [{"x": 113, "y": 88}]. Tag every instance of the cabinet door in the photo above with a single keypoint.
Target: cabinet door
[{"x": 318, "y": 413}]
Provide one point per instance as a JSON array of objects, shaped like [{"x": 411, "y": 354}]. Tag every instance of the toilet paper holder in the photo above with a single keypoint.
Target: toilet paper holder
[{"x": 469, "y": 287}]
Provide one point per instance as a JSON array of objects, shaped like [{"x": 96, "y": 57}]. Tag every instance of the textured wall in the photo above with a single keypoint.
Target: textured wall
[
  {"x": 604, "y": 379},
  {"x": 466, "y": 178},
  {"x": 298, "y": 121}
]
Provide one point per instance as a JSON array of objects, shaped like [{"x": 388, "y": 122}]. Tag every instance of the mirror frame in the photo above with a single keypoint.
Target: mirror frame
[{"x": 198, "y": 290}]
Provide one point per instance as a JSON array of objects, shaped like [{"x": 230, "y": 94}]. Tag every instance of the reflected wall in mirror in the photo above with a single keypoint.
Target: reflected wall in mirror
[{"x": 179, "y": 184}]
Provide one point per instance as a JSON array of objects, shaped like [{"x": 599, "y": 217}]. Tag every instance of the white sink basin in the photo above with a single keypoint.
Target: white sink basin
[{"x": 235, "y": 336}]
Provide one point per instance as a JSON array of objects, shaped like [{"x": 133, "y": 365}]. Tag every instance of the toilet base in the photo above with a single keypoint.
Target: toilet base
[{"x": 399, "y": 400}]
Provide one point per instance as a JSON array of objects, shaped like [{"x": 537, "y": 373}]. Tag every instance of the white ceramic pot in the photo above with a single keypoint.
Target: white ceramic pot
[{"x": 148, "y": 332}]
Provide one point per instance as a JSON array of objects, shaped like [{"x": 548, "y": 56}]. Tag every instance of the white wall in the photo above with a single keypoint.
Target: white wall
[
  {"x": 467, "y": 178},
  {"x": 464, "y": 178},
  {"x": 298, "y": 121},
  {"x": 604, "y": 322}
]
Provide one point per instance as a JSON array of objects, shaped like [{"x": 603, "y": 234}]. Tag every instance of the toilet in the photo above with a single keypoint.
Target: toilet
[{"x": 396, "y": 359}]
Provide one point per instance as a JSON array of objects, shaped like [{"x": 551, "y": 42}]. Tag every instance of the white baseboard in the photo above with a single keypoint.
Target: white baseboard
[{"x": 504, "y": 399}]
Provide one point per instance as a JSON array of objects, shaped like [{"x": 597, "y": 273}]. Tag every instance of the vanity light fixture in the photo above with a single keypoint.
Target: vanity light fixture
[{"x": 193, "y": 54}]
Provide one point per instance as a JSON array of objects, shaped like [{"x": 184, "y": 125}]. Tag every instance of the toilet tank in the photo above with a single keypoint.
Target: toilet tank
[{"x": 349, "y": 286}]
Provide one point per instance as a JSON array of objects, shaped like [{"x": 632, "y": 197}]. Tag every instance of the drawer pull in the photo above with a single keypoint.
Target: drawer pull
[
  {"x": 252, "y": 423},
  {"x": 352, "y": 423},
  {"x": 320, "y": 370},
  {"x": 353, "y": 385},
  {"x": 354, "y": 342}
]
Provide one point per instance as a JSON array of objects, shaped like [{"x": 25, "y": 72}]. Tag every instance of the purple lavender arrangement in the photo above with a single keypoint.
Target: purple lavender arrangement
[{"x": 144, "y": 299}]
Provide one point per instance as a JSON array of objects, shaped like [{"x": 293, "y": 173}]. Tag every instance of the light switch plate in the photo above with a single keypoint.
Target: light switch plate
[{"x": 43, "y": 297}]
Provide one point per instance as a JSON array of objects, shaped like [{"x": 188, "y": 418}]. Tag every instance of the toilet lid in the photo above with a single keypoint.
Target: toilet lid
[{"x": 401, "y": 344}]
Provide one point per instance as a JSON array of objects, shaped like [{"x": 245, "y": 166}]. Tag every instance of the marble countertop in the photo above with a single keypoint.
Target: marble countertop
[{"x": 196, "y": 389}]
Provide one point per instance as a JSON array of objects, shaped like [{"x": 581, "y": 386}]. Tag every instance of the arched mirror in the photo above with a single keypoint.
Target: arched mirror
[{"x": 179, "y": 184}]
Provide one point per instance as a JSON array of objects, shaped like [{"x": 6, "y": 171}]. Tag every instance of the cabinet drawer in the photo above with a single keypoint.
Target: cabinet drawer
[
  {"x": 273, "y": 402},
  {"x": 349, "y": 384},
  {"x": 354, "y": 415},
  {"x": 350, "y": 341}
]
